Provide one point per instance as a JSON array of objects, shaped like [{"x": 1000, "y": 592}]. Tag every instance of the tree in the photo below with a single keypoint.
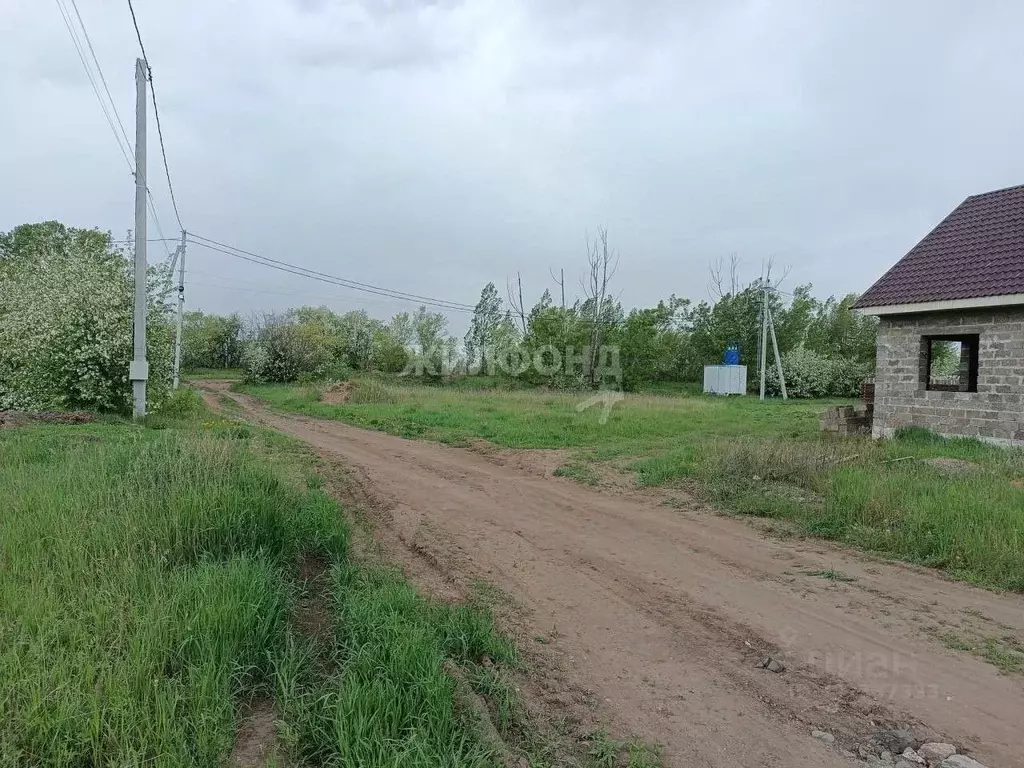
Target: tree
[
  {"x": 66, "y": 313},
  {"x": 284, "y": 349},
  {"x": 403, "y": 329},
  {"x": 837, "y": 330},
  {"x": 211, "y": 341},
  {"x": 515, "y": 300},
  {"x": 483, "y": 328},
  {"x": 429, "y": 328},
  {"x": 390, "y": 355},
  {"x": 358, "y": 335},
  {"x": 431, "y": 341},
  {"x": 602, "y": 265},
  {"x": 650, "y": 342}
]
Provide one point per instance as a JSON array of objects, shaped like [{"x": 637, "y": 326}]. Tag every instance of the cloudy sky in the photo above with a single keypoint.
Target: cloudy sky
[{"x": 432, "y": 146}]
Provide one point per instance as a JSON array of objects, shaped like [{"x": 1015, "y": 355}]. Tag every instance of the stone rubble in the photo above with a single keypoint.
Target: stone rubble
[
  {"x": 915, "y": 758},
  {"x": 960, "y": 761},
  {"x": 935, "y": 752}
]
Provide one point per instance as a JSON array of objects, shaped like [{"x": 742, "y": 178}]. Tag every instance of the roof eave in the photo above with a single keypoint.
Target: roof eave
[{"x": 981, "y": 302}]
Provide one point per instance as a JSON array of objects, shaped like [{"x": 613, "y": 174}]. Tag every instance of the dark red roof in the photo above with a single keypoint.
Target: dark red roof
[{"x": 978, "y": 250}]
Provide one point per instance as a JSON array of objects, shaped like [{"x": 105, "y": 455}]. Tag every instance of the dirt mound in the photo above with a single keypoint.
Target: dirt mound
[
  {"x": 21, "y": 418},
  {"x": 337, "y": 394}
]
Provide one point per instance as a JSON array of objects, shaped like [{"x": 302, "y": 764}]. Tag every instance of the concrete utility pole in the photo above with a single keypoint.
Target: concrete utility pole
[
  {"x": 138, "y": 370},
  {"x": 762, "y": 362},
  {"x": 181, "y": 308},
  {"x": 778, "y": 357}
]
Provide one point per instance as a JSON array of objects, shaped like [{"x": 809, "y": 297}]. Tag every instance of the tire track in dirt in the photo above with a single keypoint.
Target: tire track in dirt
[{"x": 661, "y": 615}]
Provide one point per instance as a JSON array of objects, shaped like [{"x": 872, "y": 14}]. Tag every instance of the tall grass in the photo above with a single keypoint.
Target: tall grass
[
  {"x": 149, "y": 584},
  {"x": 388, "y": 700},
  {"x": 141, "y": 592},
  {"x": 885, "y": 497}
]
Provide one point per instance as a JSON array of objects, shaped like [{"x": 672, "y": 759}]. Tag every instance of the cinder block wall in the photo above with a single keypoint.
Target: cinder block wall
[{"x": 993, "y": 413}]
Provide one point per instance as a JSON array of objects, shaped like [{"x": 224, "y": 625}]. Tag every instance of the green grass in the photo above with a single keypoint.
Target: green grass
[
  {"x": 143, "y": 591},
  {"x": 149, "y": 587},
  {"x": 201, "y": 374},
  {"x": 578, "y": 471},
  {"x": 388, "y": 700},
  {"x": 971, "y": 524},
  {"x": 536, "y": 419},
  {"x": 766, "y": 459},
  {"x": 1004, "y": 653},
  {"x": 831, "y": 574}
]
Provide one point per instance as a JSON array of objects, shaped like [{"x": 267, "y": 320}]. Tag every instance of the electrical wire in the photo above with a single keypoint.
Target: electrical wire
[
  {"x": 92, "y": 81},
  {"x": 354, "y": 284},
  {"x": 163, "y": 239},
  {"x": 99, "y": 70},
  {"x": 329, "y": 279},
  {"x": 156, "y": 114},
  {"x": 148, "y": 240},
  {"x": 231, "y": 286},
  {"x": 109, "y": 111}
]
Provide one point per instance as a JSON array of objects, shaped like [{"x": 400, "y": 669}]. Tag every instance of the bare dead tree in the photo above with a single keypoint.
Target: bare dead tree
[
  {"x": 603, "y": 264},
  {"x": 559, "y": 281},
  {"x": 515, "y": 300},
  {"x": 722, "y": 284},
  {"x": 769, "y": 265}
]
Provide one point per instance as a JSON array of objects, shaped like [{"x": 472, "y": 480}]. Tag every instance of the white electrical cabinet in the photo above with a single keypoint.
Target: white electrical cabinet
[{"x": 725, "y": 379}]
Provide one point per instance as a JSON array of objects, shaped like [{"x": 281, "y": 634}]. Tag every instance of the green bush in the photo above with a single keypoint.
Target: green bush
[
  {"x": 810, "y": 374},
  {"x": 66, "y": 311},
  {"x": 282, "y": 353}
]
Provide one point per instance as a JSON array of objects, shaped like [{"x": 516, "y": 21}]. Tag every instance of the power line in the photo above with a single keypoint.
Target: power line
[
  {"x": 326, "y": 278},
  {"x": 148, "y": 240},
  {"x": 138, "y": 34},
  {"x": 156, "y": 114},
  {"x": 107, "y": 109},
  {"x": 99, "y": 69},
  {"x": 156, "y": 220},
  {"x": 232, "y": 286},
  {"x": 92, "y": 81},
  {"x": 390, "y": 292}
]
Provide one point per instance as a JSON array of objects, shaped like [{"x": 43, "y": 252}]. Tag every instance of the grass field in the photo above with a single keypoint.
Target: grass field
[
  {"x": 222, "y": 374},
  {"x": 152, "y": 584},
  {"x": 767, "y": 459}
]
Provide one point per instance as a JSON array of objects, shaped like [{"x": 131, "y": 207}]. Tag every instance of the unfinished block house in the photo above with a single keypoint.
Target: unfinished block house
[{"x": 951, "y": 332}]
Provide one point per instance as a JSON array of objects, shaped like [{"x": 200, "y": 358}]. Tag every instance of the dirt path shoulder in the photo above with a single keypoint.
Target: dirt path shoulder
[{"x": 656, "y": 620}]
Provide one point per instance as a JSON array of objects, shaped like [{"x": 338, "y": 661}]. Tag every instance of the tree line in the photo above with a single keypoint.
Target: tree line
[
  {"x": 66, "y": 313},
  {"x": 828, "y": 349}
]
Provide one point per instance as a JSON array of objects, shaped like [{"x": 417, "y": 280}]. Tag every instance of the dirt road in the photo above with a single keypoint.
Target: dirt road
[{"x": 654, "y": 619}]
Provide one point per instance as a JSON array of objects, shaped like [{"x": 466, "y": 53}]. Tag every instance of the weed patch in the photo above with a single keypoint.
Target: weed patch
[{"x": 152, "y": 584}]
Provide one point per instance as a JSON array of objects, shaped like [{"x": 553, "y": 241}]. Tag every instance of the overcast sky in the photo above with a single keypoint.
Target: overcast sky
[{"x": 434, "y": 146}]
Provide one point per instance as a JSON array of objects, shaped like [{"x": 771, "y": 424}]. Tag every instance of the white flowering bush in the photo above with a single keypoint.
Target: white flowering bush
[
  {"x": 810, "y": 374},
  {"x": 282, "y": 351},
  {"x": 66, "y": 305}
]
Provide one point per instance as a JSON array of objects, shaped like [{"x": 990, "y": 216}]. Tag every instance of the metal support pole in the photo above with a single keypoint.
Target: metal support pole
[
  {"x": 764, "y": 336},
  {"x": 181, "y": 309},
  {"x": 778, "y": 357},
  {"x": 138, "y": 370}
]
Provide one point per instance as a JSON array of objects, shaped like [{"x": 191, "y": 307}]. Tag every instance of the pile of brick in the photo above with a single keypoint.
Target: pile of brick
[{"x": 847, "y": 419}]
